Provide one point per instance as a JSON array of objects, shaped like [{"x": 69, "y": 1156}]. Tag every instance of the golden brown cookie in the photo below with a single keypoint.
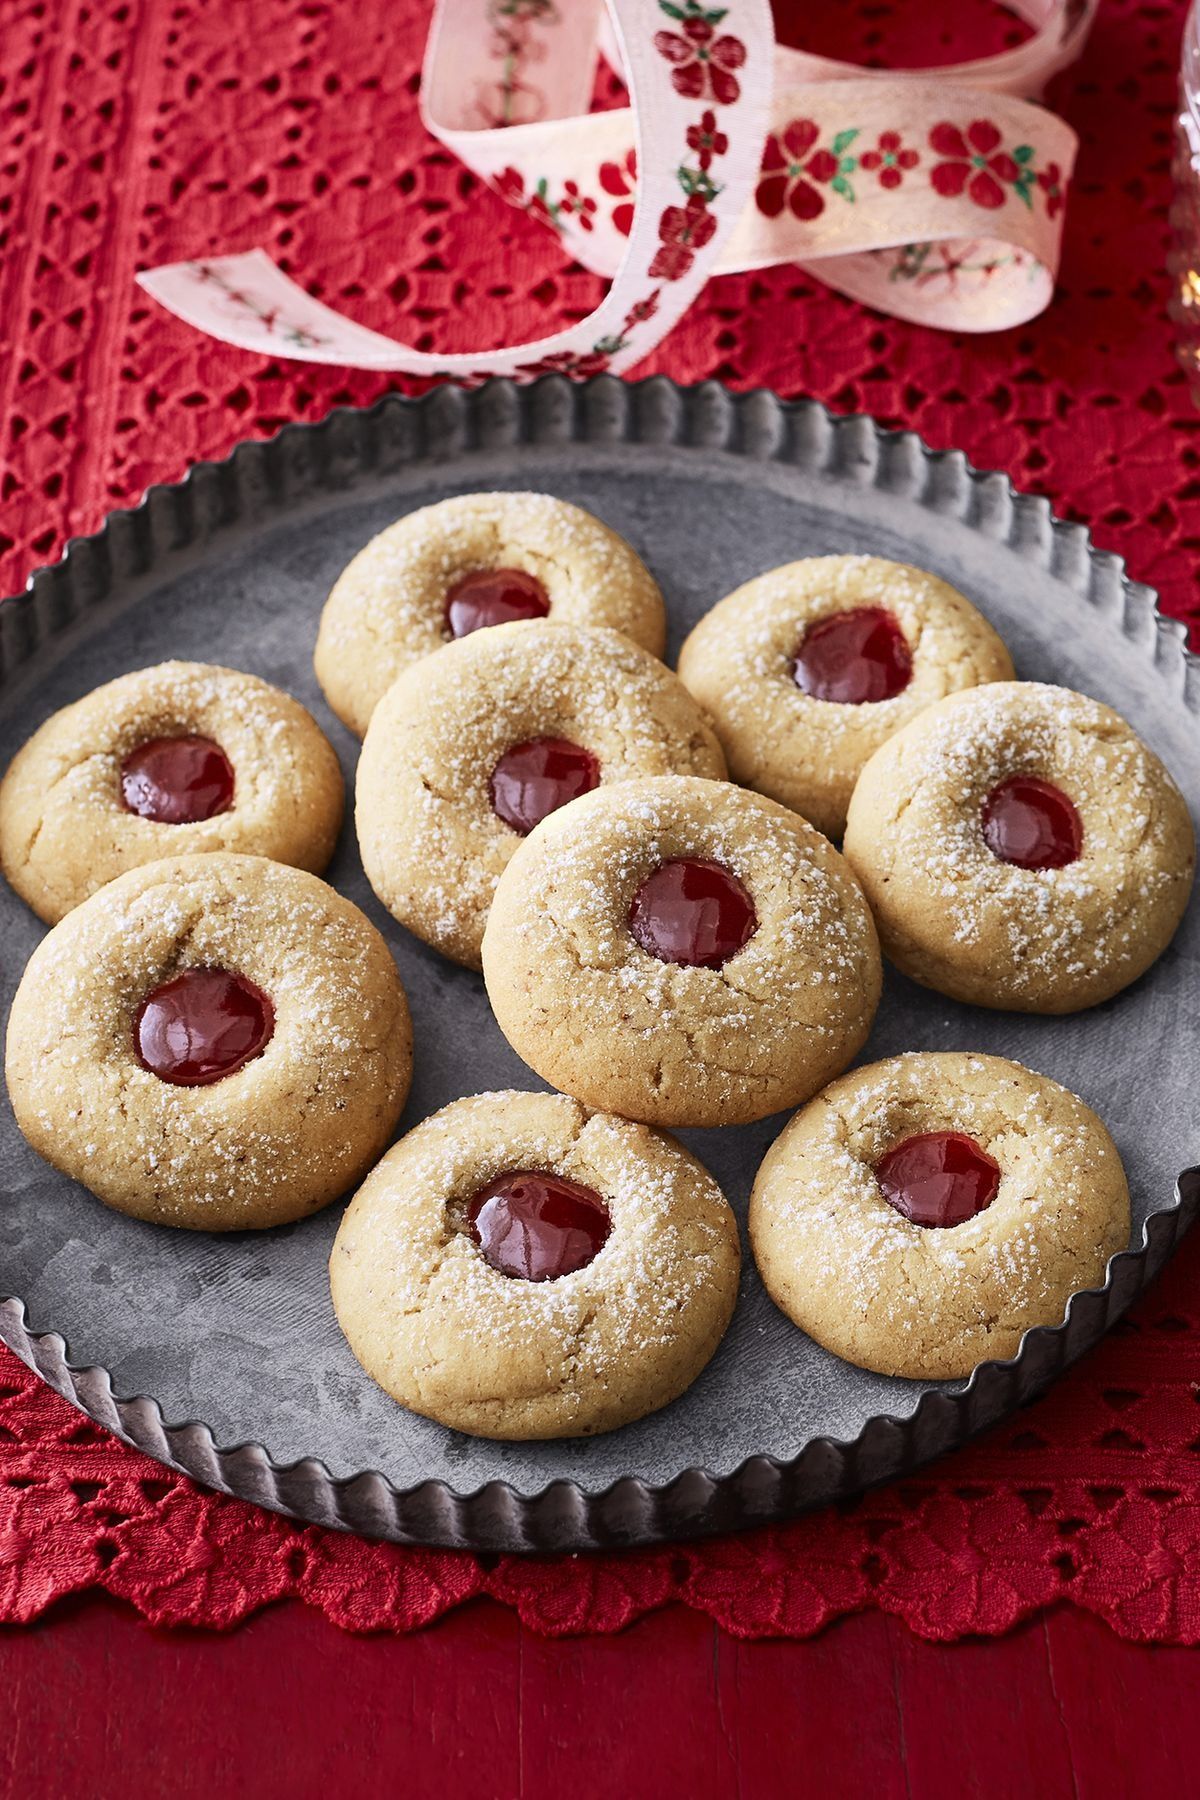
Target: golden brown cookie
[
  {"x": 518, "y": 1267},
  {"x": 921, "y": 1214},
  {"x": 216, "y": 1042},
  {"x": 167, "y": 761},
  {"x": 808, "y": 669},
  {"x": 476, "y": 560},
  {"x": 681, "y": 951},
  {"x": 1021, "y": 848},
  {"x": 474, "y": 745}
]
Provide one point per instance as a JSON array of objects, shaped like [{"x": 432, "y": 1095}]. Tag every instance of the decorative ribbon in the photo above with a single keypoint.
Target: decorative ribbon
[{"x": 935, "y": 196}]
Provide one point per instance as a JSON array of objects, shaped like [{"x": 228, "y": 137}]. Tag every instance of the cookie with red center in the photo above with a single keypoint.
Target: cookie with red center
[
  {"x": 520, "y": 1267},
  {"x": 466, "y": 565},
  {"x": 807, "y": 670},
  {"x": 921, "y": 1214},
  {"x": 168, "y": 761},
  {"x": 473, "y": 747},
  {"x": 1021, "y": 848},
  {"x": 215, "y": 1042},
  {"x": 681, "y": 951}
]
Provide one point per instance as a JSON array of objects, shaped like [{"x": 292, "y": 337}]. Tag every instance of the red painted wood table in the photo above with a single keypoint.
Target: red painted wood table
[
  {"x": 1017, "y": 1621},
  {"x": 99, "y": 1707}
]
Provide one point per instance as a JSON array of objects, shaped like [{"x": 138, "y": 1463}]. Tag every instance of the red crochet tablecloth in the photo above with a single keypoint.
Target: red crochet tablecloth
[{"x": 138, "y": 131}]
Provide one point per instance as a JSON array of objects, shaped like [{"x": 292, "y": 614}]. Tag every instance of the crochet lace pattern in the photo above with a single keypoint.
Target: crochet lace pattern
[{"x": 136, "y": 132}]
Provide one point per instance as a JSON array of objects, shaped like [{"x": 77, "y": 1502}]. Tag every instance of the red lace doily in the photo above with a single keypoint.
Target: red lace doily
[{"x": 137, "y": 131}]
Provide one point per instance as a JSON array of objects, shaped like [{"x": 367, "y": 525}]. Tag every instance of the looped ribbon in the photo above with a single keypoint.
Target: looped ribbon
[{"x": 935, "y": 196}]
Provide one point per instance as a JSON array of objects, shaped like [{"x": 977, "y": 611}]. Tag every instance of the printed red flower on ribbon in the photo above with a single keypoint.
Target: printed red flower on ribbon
[
  {"x": 1050, "y": 180},
  {"x": 977, "y": 164},
  {"x": 510, "y": 183},
  {"x": 581, "y": 206},
  {"x": 620, "y": 179},
  {"x": 706, "y": 140},
  {"x": 942, "y": 263},
  {"x": 642, "y": 310},
  {"x": 683, "y": 230},
  {"x": 791, "y": 165},
  {"x": 703, "y": 62},
  {"x": 568, "y": 362},
  {"x": 891, "y": 157}
]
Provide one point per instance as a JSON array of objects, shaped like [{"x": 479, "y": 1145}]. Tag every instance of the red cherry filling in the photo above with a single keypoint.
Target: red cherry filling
[
  {"x": 201, "y": 1026},
  {"x": 537, "y": 1227},
  {"x": 853, "y": 657},
  {"x": 1031, "y": 823},
  {"x": 938, "y": 1178},
  {"x": 694, "y": 912},
  {"x": 494, "y": 597},
  {"x": 177, "y": 780},
  {"x": 538, "y": 777}
]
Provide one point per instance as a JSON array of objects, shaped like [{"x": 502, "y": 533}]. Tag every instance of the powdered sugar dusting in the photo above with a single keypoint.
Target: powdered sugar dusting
[
  {"x": 665, "y": 1273},
  {"x": 292, "y": 1126},
  {"x": 64, "y": 830},
  {"x": 898, "y": 1296},
  {"x": 388, "y": 606},
  {"x": 739, "y": 662},
  {"x": 432, "y": 844},
  {"x": 915, "y": 837},
  {"x": 575, "y": 992}
]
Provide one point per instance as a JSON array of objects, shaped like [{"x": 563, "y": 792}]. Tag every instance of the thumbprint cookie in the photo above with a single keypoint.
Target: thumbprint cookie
[
  {"x": 168, "y": 761},
  {"x": 216, "y": 1042},
  {"x": 921, "y": 1214},
  {"x": 472, "y": 747},
  {"x": 520, "y": 1267},
  {"x": 681, "y": 951},
  {"x": 808, "y": 669},
  {"x": 1021, "y": 848},
  {"x": 468, "y": 563}
]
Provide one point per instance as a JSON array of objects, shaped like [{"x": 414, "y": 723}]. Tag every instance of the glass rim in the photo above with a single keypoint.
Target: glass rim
[{"x": 1190, "y": 63}]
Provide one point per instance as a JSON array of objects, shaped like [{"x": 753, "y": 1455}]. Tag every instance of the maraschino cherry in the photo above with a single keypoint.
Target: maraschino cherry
[
  {"x": 536, "y": 1227},
  {"x": 1032, "y": 823},
  {"x": 494, "y": 597},
  {"x": 177, "y": 780},
  {"x": 854, "y": 657},
  {"x": 692, "y": 911},
  {"x": 201, "y": 1026},
  {"x": 938, "y": 1178},
  {"x": 537, "y": 777}
]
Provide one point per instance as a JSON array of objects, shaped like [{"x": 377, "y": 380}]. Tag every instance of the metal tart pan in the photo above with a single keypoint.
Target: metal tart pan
[{"x": 220, "y": 1356}]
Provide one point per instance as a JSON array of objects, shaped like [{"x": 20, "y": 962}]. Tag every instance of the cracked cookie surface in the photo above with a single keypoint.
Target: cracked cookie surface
[
  {"x": 274, "y": 1141},
  {"x": 64, "y": 830},
  {"x": 449, "y": 1336},
  {"x": 903, "y": 1299},
  {"x": 955, "y": 917},
  {"x": 807, "y": 752},
  {"x": 388, "y": 607},
  {"x": 597, "y": 1016},
  {"x": 432, "y": 844}
]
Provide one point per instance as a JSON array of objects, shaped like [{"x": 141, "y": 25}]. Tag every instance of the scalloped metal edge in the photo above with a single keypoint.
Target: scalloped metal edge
[{"x": 267, "y": 475}]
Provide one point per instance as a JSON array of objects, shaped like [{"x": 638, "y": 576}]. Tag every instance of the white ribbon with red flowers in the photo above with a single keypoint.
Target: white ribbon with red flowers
[{"x": 935, "y": 197}]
